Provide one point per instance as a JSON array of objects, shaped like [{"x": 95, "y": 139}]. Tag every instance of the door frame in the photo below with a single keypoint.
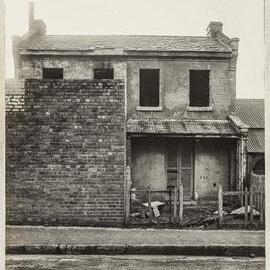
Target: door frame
[{"x": 179, "y": 144}]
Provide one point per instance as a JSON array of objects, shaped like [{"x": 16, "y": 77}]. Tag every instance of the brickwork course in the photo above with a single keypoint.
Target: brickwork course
[{"x": 65, "y": 154}]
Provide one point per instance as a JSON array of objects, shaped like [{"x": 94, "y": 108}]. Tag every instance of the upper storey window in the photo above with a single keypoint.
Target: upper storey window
[
  {"x": 103, "y": 73},
  {"x": 199, "y": 88},
  {"x": 149, "y": 87},
  {"x": 52, "y": 73}
]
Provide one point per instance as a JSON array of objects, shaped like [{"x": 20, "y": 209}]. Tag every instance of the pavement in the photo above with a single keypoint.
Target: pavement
[{"x": 112, "y": 241}]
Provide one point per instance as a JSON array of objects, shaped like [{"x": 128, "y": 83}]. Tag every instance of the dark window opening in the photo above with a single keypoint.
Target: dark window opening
[
  {"x": 103, "y": 73},
  {"x": 199, "y": 88},
  {"x": 149, "y": 87},
  {"x": 259, "y": 167},
  {"x": 52, "y": 73}
]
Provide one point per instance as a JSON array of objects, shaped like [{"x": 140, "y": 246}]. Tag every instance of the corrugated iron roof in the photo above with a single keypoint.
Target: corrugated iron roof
[
  {"x": 126, "y": 42},
  {"x": 184, "y": 127},
  {"x": 251, "y": 112},
  {"x": 255, "y": 141}
]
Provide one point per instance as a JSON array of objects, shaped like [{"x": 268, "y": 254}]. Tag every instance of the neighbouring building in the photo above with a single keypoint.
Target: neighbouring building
[
  {"x": 251, "y": 112},
  {"x": 89, "y": 115}
]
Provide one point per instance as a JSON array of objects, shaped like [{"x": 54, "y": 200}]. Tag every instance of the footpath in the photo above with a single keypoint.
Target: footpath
[{"x": 109, "y": 241}]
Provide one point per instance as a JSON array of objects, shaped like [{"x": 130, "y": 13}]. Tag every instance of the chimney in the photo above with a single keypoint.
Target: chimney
[
  {"x": 31, "y": 15},
  {"x": 214, "y": 28}
]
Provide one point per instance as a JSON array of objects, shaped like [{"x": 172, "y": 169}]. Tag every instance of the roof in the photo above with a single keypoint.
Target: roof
[
  {"x": 181, "y": 127},
  {"x": 251, "y": 112},
  {"x": 255, "y": 141},
  {"x": 125, "y": 42}
]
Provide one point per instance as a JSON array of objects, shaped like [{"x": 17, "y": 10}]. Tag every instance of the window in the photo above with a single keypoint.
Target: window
[
  {"x": 199, "y": 88},
  {"x": 149, "y": 87},
  {"x": 103, "y": 73},
  {"x": 52, "y": 73}
]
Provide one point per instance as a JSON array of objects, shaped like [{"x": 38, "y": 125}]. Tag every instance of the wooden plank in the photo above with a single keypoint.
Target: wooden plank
[
  {"x": 251, "y": 204},
  {"x": 220, "y": 205},
  {"x": 232, "y": 167},
  {"x": 181, "y": 203},
  {"x": 141, "y": 191},
  {"x": 246, "y": 205},
  {"x": 174, "y": 205},
  {"x": 170, "y": 205},
  {"x": 149, "y": 203},
  {"x": 127, "y": 187},
  {"x": 232, "y": 193},
  {"x": 261, "y": 208}
]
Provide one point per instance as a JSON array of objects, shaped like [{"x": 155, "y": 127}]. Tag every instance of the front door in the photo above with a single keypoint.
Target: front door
[{"x": 180, "y": 166}]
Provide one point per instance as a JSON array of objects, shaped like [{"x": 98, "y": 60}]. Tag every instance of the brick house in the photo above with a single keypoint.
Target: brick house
[{"x": 89, "y": 115}]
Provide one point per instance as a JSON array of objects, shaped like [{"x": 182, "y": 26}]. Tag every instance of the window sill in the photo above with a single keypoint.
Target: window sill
[
  {"x": 200, "y": 109},
  {"x": 149, "y": 109}
]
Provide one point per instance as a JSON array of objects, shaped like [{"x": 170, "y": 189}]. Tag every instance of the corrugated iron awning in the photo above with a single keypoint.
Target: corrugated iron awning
[
  {"x": 255, "y": 141},
  {"x": 181, "y": 127}
]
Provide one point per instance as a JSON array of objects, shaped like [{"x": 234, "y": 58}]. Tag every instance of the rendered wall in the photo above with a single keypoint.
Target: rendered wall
[
  {"x": 148, "y": 163},
  {"x": 174, "y": 81},
  {"x": 212, "y": 165},
  {"x": 174, "y": 88},
  {"x": 65, "y": 154}
]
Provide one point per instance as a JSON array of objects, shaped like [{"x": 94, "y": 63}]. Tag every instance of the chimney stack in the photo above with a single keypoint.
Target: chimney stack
[
  {"x": 214, "y": 28},
  {"x": 31, "y": 15}
]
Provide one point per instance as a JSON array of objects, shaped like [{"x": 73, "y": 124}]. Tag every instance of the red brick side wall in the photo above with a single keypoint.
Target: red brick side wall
[{"x": 65, "y": 154}]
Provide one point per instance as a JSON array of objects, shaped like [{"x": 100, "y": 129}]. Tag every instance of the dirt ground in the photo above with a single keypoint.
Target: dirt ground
[{"x": 49, "y": 262}]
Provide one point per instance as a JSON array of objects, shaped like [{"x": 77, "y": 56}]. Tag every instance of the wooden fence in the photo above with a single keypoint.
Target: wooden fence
[
  {"x": 250, "y": 199},
  {"x": 175, "y": 202}
]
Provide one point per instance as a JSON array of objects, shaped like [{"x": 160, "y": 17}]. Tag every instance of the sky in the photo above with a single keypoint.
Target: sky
[{"x": 241, "y": 18}]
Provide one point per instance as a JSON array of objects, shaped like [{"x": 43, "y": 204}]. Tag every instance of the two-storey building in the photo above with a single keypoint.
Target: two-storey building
[{"x": 178, "y": 104}]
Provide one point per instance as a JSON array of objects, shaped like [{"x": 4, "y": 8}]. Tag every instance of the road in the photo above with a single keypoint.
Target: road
[{"x": 130, "y": 262}]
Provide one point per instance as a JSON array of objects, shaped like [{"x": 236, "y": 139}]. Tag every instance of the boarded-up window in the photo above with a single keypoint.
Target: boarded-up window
[
  {"x": 199, "y": 88},
  {"x": 103, "y": 73},
  {"x": 52, "y": 73},
  {"x": 149, "y": 87}
]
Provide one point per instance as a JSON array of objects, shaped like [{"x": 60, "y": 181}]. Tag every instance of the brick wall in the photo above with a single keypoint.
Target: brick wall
[{"x": 65, "y": 154}]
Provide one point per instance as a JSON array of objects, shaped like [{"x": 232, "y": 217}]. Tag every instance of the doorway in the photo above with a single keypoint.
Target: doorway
[{"x": 180, "y": 166}]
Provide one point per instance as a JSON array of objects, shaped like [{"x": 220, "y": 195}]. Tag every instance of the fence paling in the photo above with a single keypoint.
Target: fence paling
[
  {"x": 220, "y": 205},
  {"x": 181, "y": 202},
  {"x": 252, "y": 198},
  {"x": 170, "y": 205},
  {"x": 174, "y": 205},
  {"x": 261, "y": 208},
  {"x": 251, "y": 205},
  {"x": 149, "y": 203},
  {"x": 246, "y": 205}
]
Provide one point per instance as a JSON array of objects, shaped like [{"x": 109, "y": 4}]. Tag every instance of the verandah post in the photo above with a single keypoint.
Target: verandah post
[{"x": 220, "y": 205}]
